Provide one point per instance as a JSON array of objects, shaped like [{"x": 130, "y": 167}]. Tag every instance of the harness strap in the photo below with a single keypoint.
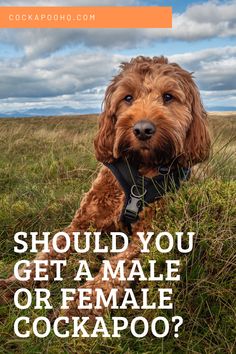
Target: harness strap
[{"x": 140, "y": 191}]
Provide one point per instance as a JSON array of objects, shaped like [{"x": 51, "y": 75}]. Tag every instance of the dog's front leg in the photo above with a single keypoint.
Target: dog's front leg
[
  {"x": 132, "y": 252},
  {"x": 100, "y": 209}
]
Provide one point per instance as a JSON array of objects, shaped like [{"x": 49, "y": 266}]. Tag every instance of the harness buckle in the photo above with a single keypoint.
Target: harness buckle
[{"x": 134, "y": 204}]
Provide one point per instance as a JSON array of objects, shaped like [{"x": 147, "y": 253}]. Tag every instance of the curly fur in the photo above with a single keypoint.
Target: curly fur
[{"x": 181, "y": 137}]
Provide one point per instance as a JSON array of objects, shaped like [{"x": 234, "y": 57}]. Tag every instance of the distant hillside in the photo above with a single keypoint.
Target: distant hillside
[{"x": 35, "y": 112}]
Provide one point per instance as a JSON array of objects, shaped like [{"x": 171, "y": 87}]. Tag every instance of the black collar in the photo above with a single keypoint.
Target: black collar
[{"x": 140, "y": 190}]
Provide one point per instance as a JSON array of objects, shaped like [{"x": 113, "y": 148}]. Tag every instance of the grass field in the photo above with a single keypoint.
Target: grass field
[{"x": 47, "y": 164}]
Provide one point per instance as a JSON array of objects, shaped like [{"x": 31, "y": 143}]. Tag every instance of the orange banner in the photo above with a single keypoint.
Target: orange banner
[{"x": 86, "y": 17}]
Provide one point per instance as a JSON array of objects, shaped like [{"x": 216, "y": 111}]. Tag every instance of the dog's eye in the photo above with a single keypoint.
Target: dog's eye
[
  {"x": 167, "y": 97},
  {"x": 128, "y": 99}
]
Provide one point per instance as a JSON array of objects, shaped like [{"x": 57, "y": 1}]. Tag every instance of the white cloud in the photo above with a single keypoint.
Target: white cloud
[
  {"x": 200, "y": 21},
  {"x": 206, "y": 20},
  {"x": 214, "y": 68},
  {"x": 56, "y": 75},
  {"x": 78, "y": 81},
  {"x": 214, "y": 99}
]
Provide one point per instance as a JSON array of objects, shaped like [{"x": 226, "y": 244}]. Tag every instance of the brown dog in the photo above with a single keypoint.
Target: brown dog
[{"x": 153, "y": 120}]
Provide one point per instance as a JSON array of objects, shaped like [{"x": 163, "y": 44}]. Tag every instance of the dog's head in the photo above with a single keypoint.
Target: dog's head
[{"x": 153, "y": 115}]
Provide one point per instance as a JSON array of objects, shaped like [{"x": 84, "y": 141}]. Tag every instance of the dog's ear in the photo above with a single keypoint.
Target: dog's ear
[
  {"x": 104, "y": 140},
  {"x": 197, "y": 144}
]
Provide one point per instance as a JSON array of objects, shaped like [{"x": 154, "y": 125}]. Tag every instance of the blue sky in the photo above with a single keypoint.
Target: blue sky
[{"x": 58, "y": 71}]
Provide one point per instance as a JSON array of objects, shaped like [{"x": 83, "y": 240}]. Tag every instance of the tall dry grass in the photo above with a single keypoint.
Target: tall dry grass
[{"x": 47, "y": 164}]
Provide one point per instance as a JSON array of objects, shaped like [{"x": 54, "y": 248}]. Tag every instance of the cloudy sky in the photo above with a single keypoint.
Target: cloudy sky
[{"x": 58, "y": 71}]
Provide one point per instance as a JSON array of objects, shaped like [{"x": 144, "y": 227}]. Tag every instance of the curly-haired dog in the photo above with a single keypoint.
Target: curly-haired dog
[{"x": 153, "y": 126}]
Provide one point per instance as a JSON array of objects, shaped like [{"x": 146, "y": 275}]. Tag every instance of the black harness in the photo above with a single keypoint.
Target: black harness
[{"x": 140, "y": 191}]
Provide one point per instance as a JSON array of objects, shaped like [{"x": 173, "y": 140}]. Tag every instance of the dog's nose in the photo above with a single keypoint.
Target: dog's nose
[{"x": 143, "y": 130}]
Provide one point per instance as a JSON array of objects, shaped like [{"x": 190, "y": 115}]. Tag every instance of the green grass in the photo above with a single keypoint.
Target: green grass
[{"x": 47, "y": 164}]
